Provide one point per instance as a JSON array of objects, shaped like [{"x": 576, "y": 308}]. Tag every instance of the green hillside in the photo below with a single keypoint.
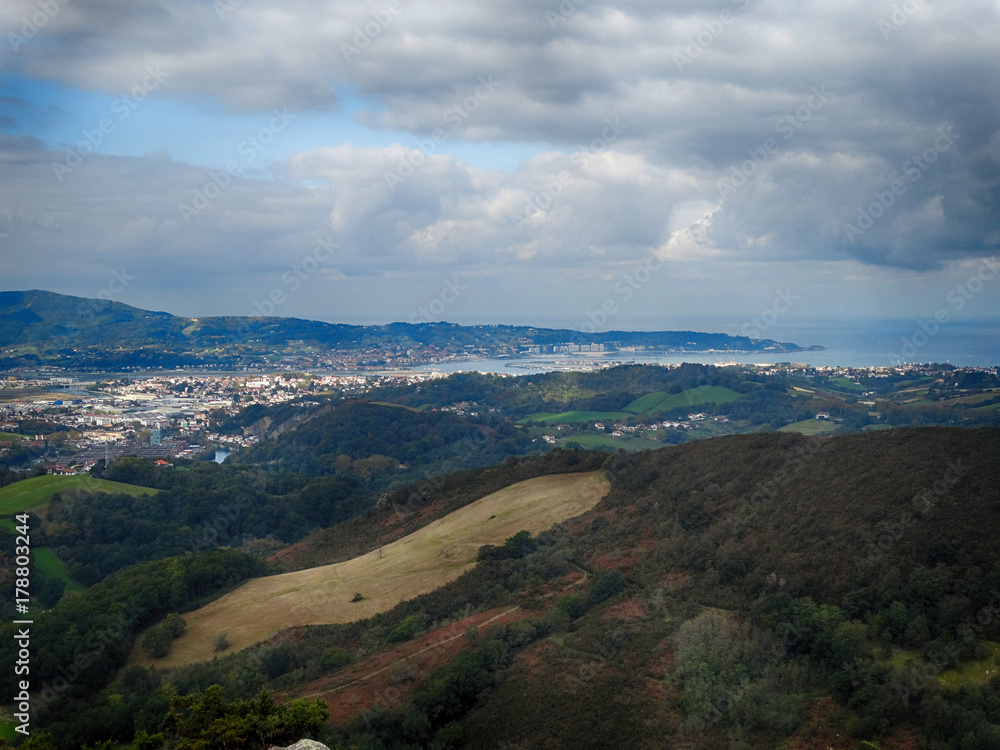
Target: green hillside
[
  {"x": 653, "y": 403},
  {"x": 614, "y": 443},
  {"x": 29, "y": 494},
  {"x": 577, "y": 416},
  {"x": 38, "y": 326},
  {"x": 646, "y": 404},
  {"x": 810, "y": 427},
  {"x": 47, "y": 565},
  {"x": 751, "y": 591}
]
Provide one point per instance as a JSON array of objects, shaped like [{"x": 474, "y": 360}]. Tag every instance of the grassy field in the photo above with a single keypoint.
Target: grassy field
[
  {"x": 846, "y": 383},
  {"x": 416, "y": 564},
  {"x": 12, "y": 436},
  {"x": 703, "y": 394},
  {"x": 973, "y": 673},
  {"x": 651, "y": 403},
  {"x": 29, "y": 494},
  {"x": 646, "y": 403},
  {"x": 45, "y": 562},
  {"x": 968, "y": 674},
  {"x": 578, "y": 416},
  {"x": 607, "y": 441},
  {"x": 32, "y": 495},
  {"x": 810, "y": 427},
  {"x": 971, "y": 399}
]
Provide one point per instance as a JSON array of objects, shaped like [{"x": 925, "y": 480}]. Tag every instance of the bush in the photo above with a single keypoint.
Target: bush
[
  {"x": 605, "y": 587},
  {"x": 156, "y": 643},
  {"x": 407, "y": 629},
  {"x": 518, "y": 546},
  {"x": 572, "y": 606},
  {"x": 174, "y": 624},
  {"x": 334, "y": 658}
]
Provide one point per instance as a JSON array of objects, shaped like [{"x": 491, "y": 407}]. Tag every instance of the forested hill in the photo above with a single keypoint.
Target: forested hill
[
  {"x": 753, "y": 591},
  {"x": 378, "y": 442},
  {"x": 39, "y": 326}
]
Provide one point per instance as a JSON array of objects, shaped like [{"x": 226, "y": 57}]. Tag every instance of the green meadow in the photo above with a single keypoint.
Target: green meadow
[
  {"x": 651, "y": 403},
  {"x": 810, "y": 427},
  {"x": 32, "y": 494},
  {"x": 29, "y": 494}
]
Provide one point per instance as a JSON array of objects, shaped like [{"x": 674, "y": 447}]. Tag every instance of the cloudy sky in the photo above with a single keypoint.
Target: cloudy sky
[{"x": 521, "y": 161}]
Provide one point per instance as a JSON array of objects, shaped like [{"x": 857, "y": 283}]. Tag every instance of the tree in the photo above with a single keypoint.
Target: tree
[
  {"x": 156, "y": 642},
  {"x": 174, "y": 624},
  {"x": 209, "y": 722}
]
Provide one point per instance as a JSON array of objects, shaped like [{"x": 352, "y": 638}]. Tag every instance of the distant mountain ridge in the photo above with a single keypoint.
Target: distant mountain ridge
[{"x": 39, "y": 327}]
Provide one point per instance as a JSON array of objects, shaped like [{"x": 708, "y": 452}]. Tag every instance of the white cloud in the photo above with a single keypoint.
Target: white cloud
[{"x": 595, "y": 195}]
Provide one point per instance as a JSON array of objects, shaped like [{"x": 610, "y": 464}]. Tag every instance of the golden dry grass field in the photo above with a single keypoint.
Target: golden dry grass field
[{"x": 416, "y": 564}]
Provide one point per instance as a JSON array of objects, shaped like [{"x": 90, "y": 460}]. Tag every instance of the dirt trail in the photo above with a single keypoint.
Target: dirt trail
[{"x": 415, "y": 654}]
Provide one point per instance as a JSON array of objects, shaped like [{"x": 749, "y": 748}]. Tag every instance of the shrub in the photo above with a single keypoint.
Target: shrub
[
  {"x": 156, "y": 642},
  {"x": 334, "y": 658},
  {"x": 605, "y": 587}
]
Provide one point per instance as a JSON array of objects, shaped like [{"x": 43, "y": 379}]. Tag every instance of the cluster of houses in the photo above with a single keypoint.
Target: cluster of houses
[
  {"x": 462, "y": 408},
  {"x": 621, "y": 430}
]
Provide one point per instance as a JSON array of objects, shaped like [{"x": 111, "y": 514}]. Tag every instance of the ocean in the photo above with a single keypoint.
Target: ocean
[{"x": 848, "y": 344}]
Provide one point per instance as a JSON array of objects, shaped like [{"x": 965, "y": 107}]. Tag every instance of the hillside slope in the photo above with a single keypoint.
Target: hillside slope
[
  {"x": 755, "y": 591},
  {"x": 415, "y": 564}
]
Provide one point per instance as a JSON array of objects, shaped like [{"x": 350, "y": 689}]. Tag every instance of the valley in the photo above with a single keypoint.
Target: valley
[{"x": 794, "y": 557}]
